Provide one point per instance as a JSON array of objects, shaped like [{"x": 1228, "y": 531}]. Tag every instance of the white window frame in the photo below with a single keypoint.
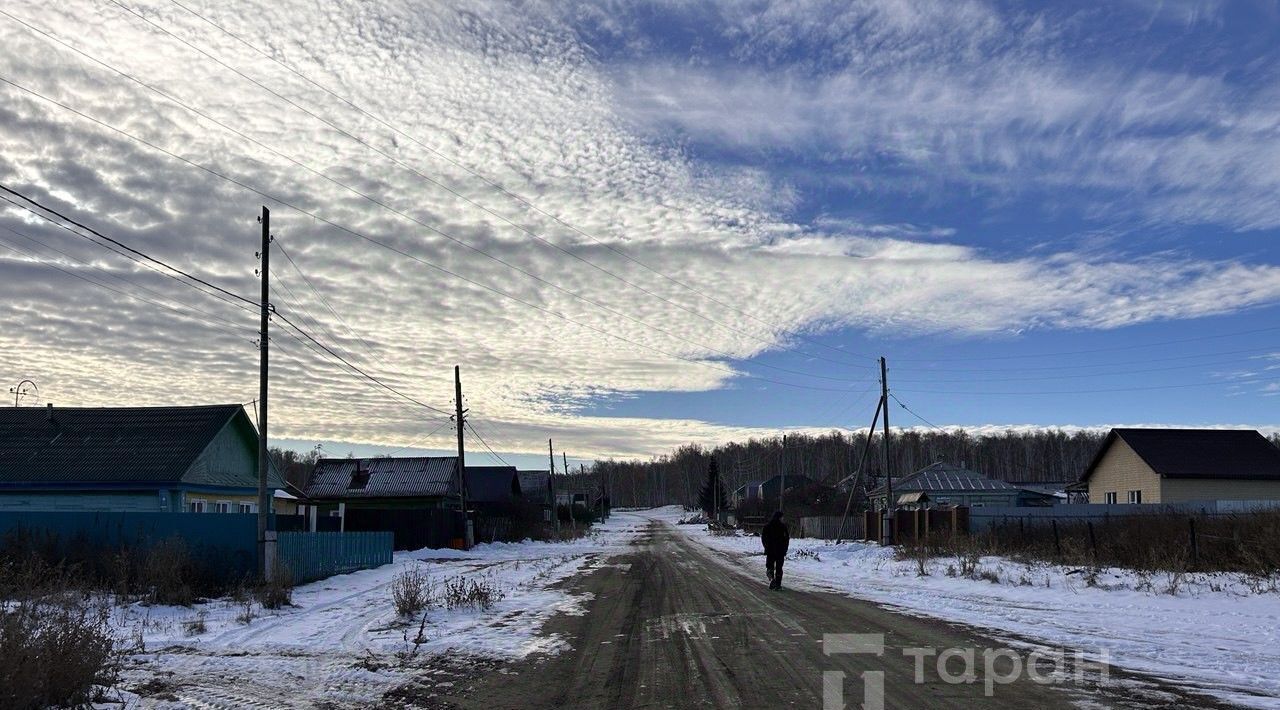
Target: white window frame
[
  {"x": 197, "y": 505},
  {"x": 1110, "y": 497},
  {"x": 222, "y": 506},
  {"x": 1135, "y": 497},
  {"x": 244, "y": 507}
]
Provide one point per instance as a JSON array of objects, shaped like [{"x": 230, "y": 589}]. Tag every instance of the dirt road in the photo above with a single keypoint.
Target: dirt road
[{"x": 676, "y": 625}]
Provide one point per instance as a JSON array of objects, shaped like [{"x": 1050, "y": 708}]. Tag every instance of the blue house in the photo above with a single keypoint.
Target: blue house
[{"x": 201, "y": 459}]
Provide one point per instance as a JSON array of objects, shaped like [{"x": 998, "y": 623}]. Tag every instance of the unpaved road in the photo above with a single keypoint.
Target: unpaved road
[{"x": 674, "y": 625}]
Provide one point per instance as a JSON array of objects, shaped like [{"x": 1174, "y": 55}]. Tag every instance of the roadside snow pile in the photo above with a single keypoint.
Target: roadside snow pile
[
  {"x": 1210, "y": 631},
  {"x": 343, "y": 639}
]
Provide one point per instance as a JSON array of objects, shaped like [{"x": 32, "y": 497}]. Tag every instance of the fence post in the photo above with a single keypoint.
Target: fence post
[
  {"x": 1195, "y": 547},
  {"x": 1057, "y": 541},
  {"x": 1093, "y": 544}
]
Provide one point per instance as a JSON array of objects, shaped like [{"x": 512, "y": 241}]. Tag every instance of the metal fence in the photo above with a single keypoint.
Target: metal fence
[
  {"x": 311, "y": 556},
  {"x": 986, "y": 517},
  {"x": 827, "y": 527},
  {"x": 225, "y": 544}
]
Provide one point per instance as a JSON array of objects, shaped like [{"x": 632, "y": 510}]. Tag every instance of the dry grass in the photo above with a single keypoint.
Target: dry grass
[
  {"x": 57, "y": 648},
  {"x": 411, "y": 591}
]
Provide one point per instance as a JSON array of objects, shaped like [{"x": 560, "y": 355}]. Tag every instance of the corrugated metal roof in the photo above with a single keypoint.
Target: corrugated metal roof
[
  {"x": 67, "y": 445},
  {"x": 943, "y": 477},
  {"x": 535, "y": 486},
  {"x": 415, "y": 476}
]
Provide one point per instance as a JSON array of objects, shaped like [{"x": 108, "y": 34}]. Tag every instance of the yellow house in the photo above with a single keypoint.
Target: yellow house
[{"x": 1178, "y": 465}]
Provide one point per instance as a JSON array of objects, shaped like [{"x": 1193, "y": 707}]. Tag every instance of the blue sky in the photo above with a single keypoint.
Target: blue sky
[{"x": 1042, "y": 214}]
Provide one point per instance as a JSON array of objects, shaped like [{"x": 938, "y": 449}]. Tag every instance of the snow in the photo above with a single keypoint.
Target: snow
[
  {"x": 342, "y": 641},
  {"x": 1217, "y": 633}
]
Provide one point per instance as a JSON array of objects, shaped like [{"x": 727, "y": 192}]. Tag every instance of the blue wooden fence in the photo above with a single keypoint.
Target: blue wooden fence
[{"x": 311, "y": 556}]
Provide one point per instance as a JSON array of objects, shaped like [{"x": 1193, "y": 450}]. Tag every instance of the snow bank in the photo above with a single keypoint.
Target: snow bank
[{"x": 1215, "y": 632}]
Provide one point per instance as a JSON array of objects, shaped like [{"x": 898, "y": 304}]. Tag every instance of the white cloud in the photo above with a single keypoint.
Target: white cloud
[{"x": 514, "y": 94}]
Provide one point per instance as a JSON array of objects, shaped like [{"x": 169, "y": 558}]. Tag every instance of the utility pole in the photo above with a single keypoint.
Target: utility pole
[
  {"x": 887, "y": 534},
  {"x": 555, "y": 503},
  {"x": 460, "y": 415},
  {"x": 573, "y": 522},
  {"x": 782, "y": 487},
  {"x": 264, "y": 463}
]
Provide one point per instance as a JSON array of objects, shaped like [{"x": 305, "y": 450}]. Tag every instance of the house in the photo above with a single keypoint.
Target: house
[
  {"x": 407, "y": 483},
  {"x": 947, "y": 484},
  {"x": 746, "y": 493},
  {"x": 199, "y": 459},
  {"x": 769, "y": 488},
  {"x": 1177, "y": 465},
  {"x": 492, "y": 486},
  {"x": 535, "y": 487}
]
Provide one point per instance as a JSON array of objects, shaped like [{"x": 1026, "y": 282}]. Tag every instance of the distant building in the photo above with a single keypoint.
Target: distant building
[
  {"x": 770, "y": 487},
  {"x": 535, "y": 487},
  {"x": 201, "y": 459},
  {"x": 1177, "y": 465},
  {"x": 406, "y": 483},
  {"x": 746, "y": 493},
  {"x": 946, "y": 484},
  {"x": 492, "y": 486}
]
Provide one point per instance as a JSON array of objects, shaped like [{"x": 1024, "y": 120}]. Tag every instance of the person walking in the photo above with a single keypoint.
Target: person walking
[{"x": 776, "y": 538}]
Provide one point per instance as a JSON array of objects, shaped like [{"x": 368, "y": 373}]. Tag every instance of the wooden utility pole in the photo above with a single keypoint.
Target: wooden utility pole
[
  {"x": 460, "y": 415},
  {"x": 573, "y": 522},
  {"x": 555, "y": 504},
  {"x": 264, "y": 454},
  {"x": 887, "y": 534},
  {"x": 782, "y": 486}
]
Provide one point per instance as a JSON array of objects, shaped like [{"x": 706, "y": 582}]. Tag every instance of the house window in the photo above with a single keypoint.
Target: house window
[
  {"x": 222, "y": 506},
  {"x": 1111, "y": 498},
  {"x": 1135, "y": 496},
  {"x": 248, "y": 508},
  {"x": 196, "y": 505}
]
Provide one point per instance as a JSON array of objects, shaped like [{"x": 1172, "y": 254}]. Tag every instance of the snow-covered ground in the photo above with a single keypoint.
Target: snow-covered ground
[
  {"x": 342, "y": 643},
  {"x": 1214, "y": 632}
]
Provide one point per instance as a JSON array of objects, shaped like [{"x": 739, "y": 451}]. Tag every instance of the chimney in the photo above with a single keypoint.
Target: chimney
[{"x": 49, "y": 411}]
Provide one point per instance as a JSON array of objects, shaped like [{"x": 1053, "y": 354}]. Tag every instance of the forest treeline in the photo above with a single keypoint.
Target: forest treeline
[{"x": 1048, "y": 455}]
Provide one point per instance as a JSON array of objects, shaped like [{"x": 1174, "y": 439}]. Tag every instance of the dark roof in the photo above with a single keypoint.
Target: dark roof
[
  {"x": 535, "y": 485},
  {"x": 409, "y": 477},
  {"x": 150, "y": 445},
  {"x": 770, "y": 486},
  {"x": 1242, "y": 454},
  {"x": 944, "y": 477},
  {"x": 492, "y": 484}
]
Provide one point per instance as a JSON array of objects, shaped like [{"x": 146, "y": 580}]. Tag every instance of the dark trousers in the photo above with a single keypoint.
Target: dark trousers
[{"x": 773, "y": 565}]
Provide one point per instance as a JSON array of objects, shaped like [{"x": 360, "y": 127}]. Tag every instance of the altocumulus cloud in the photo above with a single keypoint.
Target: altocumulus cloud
[{"x": 514, "y": 93}]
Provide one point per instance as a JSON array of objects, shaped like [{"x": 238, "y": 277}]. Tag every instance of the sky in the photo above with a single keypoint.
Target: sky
[{"x": 637, "y": 225}]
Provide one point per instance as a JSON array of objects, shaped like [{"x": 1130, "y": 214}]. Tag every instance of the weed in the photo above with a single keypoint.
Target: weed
[
  {"x": 410, "y": 591},
  {"x": 195, "y": 626}
]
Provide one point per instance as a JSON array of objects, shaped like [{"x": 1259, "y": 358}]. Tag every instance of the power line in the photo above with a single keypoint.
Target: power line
[
  {"x": 285, "y": 203},
  {"x": 500, "y": 188},
  {"x": 912, "y": 413},
  {"x": 402, "y": 214},
  {"x": 118, "y": 277},
  {"x": 86, "y": 279},
  {"x": 1243, "y": 381},
  {"x": 128, "y": 248},
  {"x": 356, "y": 368},
  {"x": 485, "y": 443}
]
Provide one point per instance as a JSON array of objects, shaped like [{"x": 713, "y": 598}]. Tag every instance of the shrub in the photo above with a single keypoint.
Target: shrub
[
  {"x": 56, "y": 643},
  {"x": 165, "y": 573},
  {"x": 276, "y": 591},
  {"x": 410, "y": 591},
  {"x": 464, "y": 593}
]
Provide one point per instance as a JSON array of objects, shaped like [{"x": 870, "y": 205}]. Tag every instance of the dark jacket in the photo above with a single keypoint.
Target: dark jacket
[{"x": 776, "y": 538}]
